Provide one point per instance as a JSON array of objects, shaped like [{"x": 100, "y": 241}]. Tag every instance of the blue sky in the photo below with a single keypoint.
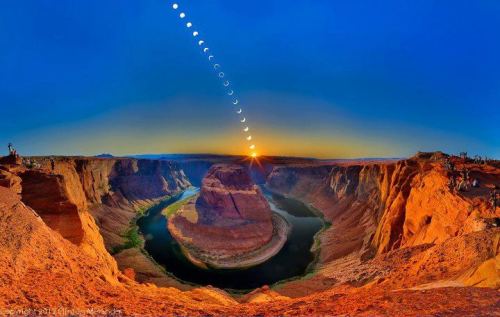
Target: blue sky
[{"x": 317, "y": 78}]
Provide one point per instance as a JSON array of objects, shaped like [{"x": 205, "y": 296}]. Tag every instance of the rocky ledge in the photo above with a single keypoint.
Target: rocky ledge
[{"x": 230, "y": 224}]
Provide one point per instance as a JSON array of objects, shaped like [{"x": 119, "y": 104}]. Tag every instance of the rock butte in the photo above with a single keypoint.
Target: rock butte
[
  {"x": 401, "y": 243},
  {"x": 230, "y": 224}
]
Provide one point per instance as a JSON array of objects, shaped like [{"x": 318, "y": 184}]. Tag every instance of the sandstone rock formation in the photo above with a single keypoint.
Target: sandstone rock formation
[
  {"x": 231, "y": 219},
  {"x": 70, "y": 193},
  {"x": 381, "y": 207},
  {"x": 41, "y": 271},
  {"x": 401, "y": 243},
  {"x": 10, "y": 180},
  {"x": 228, "y": 193}
]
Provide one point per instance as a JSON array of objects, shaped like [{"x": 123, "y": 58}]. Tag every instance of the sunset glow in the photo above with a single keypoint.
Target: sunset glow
[{"x": 349, "y": 86}]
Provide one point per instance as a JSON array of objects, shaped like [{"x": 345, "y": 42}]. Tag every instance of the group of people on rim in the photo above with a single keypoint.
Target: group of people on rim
[{"x": 461, "y": 181}]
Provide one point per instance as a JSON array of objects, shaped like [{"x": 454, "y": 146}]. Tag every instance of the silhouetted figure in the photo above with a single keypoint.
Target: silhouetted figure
[
  {"x": 12, "y": 151},
  {"x": 11, "y": 159},
  {"x": 448, "y": 165},
  {"x": 462, "y": 185},
  {"x": 494, "y": 199},
  {"x": 462, "y": 174},
  {"x": 478, "y": 159},
  {"x": 452, "y": 183}
]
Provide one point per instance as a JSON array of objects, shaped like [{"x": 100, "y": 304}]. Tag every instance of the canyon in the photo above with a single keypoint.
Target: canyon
[{"x": 401, "y": 242}]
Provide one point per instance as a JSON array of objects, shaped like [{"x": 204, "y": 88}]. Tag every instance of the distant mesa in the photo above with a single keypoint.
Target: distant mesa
[
  {"x": 230, "y": 224},
  {"x": 105, "y": 155}
]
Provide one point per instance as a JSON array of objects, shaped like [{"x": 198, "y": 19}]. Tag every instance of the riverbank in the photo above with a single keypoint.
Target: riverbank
[
  {"x": 133, "y": 254},
  {"x": 287, "y": 261},
  {"x": 240, "y": 260},
  {"x": 226, "y": 260},
  {"x": 315, "y": 248}
]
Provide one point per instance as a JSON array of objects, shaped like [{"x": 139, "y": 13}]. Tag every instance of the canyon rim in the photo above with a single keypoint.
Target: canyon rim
[{"x": 399, "y": 238}]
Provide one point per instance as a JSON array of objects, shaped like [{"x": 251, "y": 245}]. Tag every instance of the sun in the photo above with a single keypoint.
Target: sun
[{"x": 253, "y": 155}]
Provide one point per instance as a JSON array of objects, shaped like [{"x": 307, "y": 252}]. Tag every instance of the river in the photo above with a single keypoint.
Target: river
[{"x": 293, "y": 260}]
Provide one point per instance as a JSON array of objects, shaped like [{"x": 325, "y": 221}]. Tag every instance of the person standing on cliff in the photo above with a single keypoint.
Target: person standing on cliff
[
  {"x": 467, "y": 179},
  {"x": 493, "y": 199},
  {"x": 448, "y": 165},
  {"x": 452, "y": 183},
  {"x": 462, "y": 185},
  {"x": 12, "y": 151}
]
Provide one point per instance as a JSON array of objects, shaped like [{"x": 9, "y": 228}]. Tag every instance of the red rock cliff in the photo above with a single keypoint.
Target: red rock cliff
[
  {"x": 378, "y": 207},
  {"x": 63, "y": 191}
]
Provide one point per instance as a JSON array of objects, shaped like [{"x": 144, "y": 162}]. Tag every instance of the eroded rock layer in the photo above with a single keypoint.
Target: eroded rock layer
[
  {"x": 228, "y": 220},
  {"x": 68, "y": 193},
  {"x": 401, "y": 242},
  {"x": 381, "y": 207},
  {"x": 228, "y": 192}
]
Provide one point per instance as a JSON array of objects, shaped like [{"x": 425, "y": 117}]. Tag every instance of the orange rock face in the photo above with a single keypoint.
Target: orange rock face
[
  {"x": 10, "y": 180},
  {"x": 401, "y": 242},
  {"x": 383, "y": 207},
  {"x": 387, "y": 205}
]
